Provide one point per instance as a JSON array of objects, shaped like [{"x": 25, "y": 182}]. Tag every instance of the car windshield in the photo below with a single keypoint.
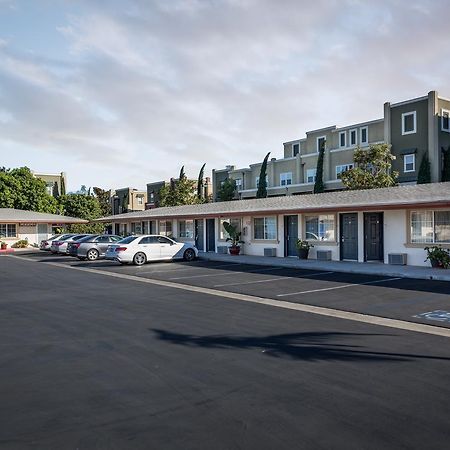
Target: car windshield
[
  {"x": 127, "y": 240},
  {"x": 64, "y": 238}
]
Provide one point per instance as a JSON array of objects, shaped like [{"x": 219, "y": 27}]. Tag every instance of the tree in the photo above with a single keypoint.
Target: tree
[
  {"x": 63, "y": 186},
  {"x": 262, "y": 183},
  {"x": 446, "y": 165},
  {"x": 424, "y": 175},
  {"x": 373, "y": 169},
  {"x": 200, "y": 182},
  {"x": 181, "y": 192},
  {"x": 227, "y": 190},
  {"x": 104, "y": 200},
  {"x": 84, "y": 207},
  {"x": 182, "y": 174},
  {"x": 318, "y": 185},
  {"x": 55, "y": 190},
  {"x": 20, "y": 189}
]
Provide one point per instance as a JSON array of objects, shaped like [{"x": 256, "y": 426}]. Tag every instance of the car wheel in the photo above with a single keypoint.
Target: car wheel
[
  {"x": 92, "y": 254},
  {"x": 189, "y": 255},
  {"x": 139, "y": 259}
]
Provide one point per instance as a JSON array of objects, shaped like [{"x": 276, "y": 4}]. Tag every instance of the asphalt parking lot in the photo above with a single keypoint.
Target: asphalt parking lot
[
  {"x": 95, "y": 361},
  {"x": 392, "y": 297}
]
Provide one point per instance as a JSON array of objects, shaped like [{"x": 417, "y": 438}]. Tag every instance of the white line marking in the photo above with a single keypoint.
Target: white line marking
[
  {"x": 319, "y": 310},
  {"x": 337, "y": 287},
  {"x": 176, "y": 269},
  {"x": 234, "y": 273},
  {"x": 274, "y": 279}
]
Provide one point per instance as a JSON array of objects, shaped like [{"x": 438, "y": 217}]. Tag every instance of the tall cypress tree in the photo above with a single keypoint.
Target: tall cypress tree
[
  {"x": 55, "y": 192},
  {"x": 200, "y": 182},
  {"x": 262, "y": 183},
  {"x": 446, "y": 165},
  {"x": 424, "y": 175},
  {"x": 318, "y": 185}
]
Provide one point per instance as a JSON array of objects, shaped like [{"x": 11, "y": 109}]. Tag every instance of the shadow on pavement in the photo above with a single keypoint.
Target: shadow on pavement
[{"x": 302, "y": 346}]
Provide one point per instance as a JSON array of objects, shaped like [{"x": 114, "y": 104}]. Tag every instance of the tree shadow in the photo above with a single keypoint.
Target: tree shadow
[{"x": 297, "y": 346}]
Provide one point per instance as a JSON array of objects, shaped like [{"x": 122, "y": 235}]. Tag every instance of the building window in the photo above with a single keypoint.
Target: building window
[
  {"x": 364, "y": 135},
  {"x": 311, "y": 175},
  {"x": 140, "y": 200},
  {"x": 238, "y": 182},
  {"x": 428, "y": 227},
  {"x": 265, "y": 228},
  {"x": 165, "y": 227},
  {"x": 409, "y": 122},
  {"x": 342, "y": 168},
  {"x": 342, "y": 139},
  {"x": 8, "y": 230},
  {"x": 235, "y": 222},
  {"x": 321, "y": 143},
  {"x": 320, "y": 228},
  {"x": 353, "y": 137},
  {"x": 285, "y": 178},
  {"x": 186, "y": 229},
  {"x": 295, "y": 149},
  {"x": 152, "y": 197},
  {"x": 445, "y": 120},
  {"x": 409, "y": 163}
]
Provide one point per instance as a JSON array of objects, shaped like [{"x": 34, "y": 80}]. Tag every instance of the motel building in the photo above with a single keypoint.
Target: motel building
[
  {"x": 17, "y": 224},
  {"x": 388, "y": 225}
]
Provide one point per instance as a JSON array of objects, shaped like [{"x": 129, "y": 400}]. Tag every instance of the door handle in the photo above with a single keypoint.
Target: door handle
[{"x": 342, "y": 239}]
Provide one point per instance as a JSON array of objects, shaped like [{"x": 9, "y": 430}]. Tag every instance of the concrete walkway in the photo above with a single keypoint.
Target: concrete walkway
[{"x": 416, "y": 272}]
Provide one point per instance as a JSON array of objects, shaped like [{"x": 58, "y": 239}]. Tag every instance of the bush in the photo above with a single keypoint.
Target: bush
[{"x": 23, "y": 243}]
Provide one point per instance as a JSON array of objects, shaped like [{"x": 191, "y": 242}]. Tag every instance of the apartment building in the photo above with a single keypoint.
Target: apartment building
[
  {"x": 413, "y": 128},
  {"x": 127, "y": 200},
  {"x": 55, "y": 182}
]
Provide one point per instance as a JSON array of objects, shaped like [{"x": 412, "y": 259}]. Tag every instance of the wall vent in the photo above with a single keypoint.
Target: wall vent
[
  {"x": 397, "y": 258},
  {"x": 270, "y": 252},
  {"x": 324, "y": 255},
  {"x": 223, "y": 249}
]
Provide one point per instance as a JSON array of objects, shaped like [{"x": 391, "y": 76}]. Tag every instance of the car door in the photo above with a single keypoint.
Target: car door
[
  {"x": 168, "y": 247},
  {"x": 150, "y": 246},
  {"x": 102, "y": 243}
]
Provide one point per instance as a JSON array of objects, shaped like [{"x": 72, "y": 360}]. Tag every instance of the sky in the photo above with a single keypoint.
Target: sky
[{"x": 121, "y": 93}]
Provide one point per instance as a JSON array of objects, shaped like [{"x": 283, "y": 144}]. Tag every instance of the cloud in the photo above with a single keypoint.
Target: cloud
[{"x": 145, "y": 87}]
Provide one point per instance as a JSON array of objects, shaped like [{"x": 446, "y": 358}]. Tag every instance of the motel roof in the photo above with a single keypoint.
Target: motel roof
[
  {"x": 398, "y": 197},
  {"x": 18, "y": 215}
]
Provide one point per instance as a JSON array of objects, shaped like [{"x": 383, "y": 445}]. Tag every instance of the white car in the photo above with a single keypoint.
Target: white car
[{"x": 150, "y": 247}]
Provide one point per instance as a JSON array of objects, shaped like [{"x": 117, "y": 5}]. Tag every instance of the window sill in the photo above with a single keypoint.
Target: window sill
[
  {"x": 265, "y": 241},
  {"x": 425, "y": 244}
]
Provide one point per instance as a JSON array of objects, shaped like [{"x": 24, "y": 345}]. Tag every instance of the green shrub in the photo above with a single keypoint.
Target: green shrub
[{"x": 23, "y": 243}]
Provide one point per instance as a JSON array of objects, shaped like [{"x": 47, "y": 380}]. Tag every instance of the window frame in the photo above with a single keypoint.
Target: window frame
[
  {"x": 163, "y": 233},
  {"x": 343, "y": 133},
  {"x": 413, "y": 163},
  {"x": 361, "y": 134},
  {"x": 223, "y": 235},
  {"x": 314, "y": 176},
  {"x": 349, "y": 166},
  {"x": 404, "y": 115},
  {"x": 186, "y": 230},
  {"x": 324, "y": 217},
  {"x": 264, "y": 228},
  {"x": 445, "y": 111},
  {"x": 293, "y": 150},
  {"x": 433, "y": 228},
  {"x": 287, "y": 178},
  {"x": 317, "y": 143},
  {"x": 353, "y": 130},
  {"x": 7, "y": 232}
]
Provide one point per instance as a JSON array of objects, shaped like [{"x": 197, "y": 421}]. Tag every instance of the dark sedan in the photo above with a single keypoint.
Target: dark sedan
[{"x": 92, "y": 247}]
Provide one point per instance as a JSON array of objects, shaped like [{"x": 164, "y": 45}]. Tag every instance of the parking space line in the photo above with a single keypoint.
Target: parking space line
[
  {"x": 272, "y": 279},
  {"x": 318, "y": 310},
  {"x": 190, "y": 267},
  {"x": 337, "y": 287},
  {"x": 219, "y": 274}
]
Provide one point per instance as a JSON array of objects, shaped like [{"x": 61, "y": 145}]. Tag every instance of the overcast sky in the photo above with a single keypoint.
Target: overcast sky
[{"x": 122, "y": 93}]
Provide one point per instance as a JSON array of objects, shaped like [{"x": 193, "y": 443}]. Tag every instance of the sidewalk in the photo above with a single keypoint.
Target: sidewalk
[{"x": 415, "y": 272}]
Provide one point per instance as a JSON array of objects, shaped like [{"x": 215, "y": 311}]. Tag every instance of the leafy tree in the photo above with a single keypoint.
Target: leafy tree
[
  {"x": 20, "y": 189},
  {"x": 262, "y": 183},
  {"x": 373, "y": 169},
  {"x": 84, "y": 207},
  {"x": 446, "y": 165},
  {"x": 424, "y": 175},
  {"x": 227, "y": 190},
  {"x": 200, "y": 182},
  {"x": 318, "y": 185},
  {"x": 104, "y": 200},
  {"x": 181, "y": 192}
]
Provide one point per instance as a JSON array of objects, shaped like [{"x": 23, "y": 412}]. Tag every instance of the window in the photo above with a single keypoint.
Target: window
[
  {"x": 295, "y": 149},
  {"x": 102, "y": 239},
  {"x": 238, "y": 183},
  {"x": 353, "y": 137},
  {"x": 265, "y": 228},
  {"x": 428, "y": 227},
  {"x": 409, "y": 122},
  {"x": 235, "y": 222},
  {"x": 342, "y": 139},
  {"x": 342, "y": 168},
  {"x": 165, "y": 227},
  {"x": 311, "y": 175},
  {"x": 49, "y": 187},
  {"x": 144, "y": 228},
  {"x": 149, "y": 240},
  {"x": 445, "y": 120},
  {"x": 364, "y": 135},
  {"x": 136, "y": 228},
  {"x": 409, "y": 163},
  {"x": 320, "y": 228},
  {"x": 257, "y": 181},
  {"x": 140, "y": 200},
  {"x": 8, "y": 230},
  {"x": 164, "y": 240},
  {"x": 152, "y": 197},
  {"x": 285, "y": 178},
  {"x": 186, "y": 229},
  {"x": 321, "y": 143}
]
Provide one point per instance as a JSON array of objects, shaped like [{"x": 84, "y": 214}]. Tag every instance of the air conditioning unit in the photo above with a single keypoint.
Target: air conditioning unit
[
  {"x": 397, "y": 258},
  {"x": 222, "y": 249},
  {"x": 324, "y": 255},
  {"x": 270, "y": 252}
]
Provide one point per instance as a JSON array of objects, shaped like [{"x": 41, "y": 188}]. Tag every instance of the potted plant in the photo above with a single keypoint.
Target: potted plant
[
  {"x": 234, "y": 238},
  {"x": 438, "y": 256},
  {"x": 3, "y": 245},
  {"x": 303, "y": 248}
]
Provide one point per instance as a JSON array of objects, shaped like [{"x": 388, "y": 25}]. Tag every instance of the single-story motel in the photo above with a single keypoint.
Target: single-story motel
[
  {"x": 390, "y": 225},
  {"x": 16, "y": 225}
]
